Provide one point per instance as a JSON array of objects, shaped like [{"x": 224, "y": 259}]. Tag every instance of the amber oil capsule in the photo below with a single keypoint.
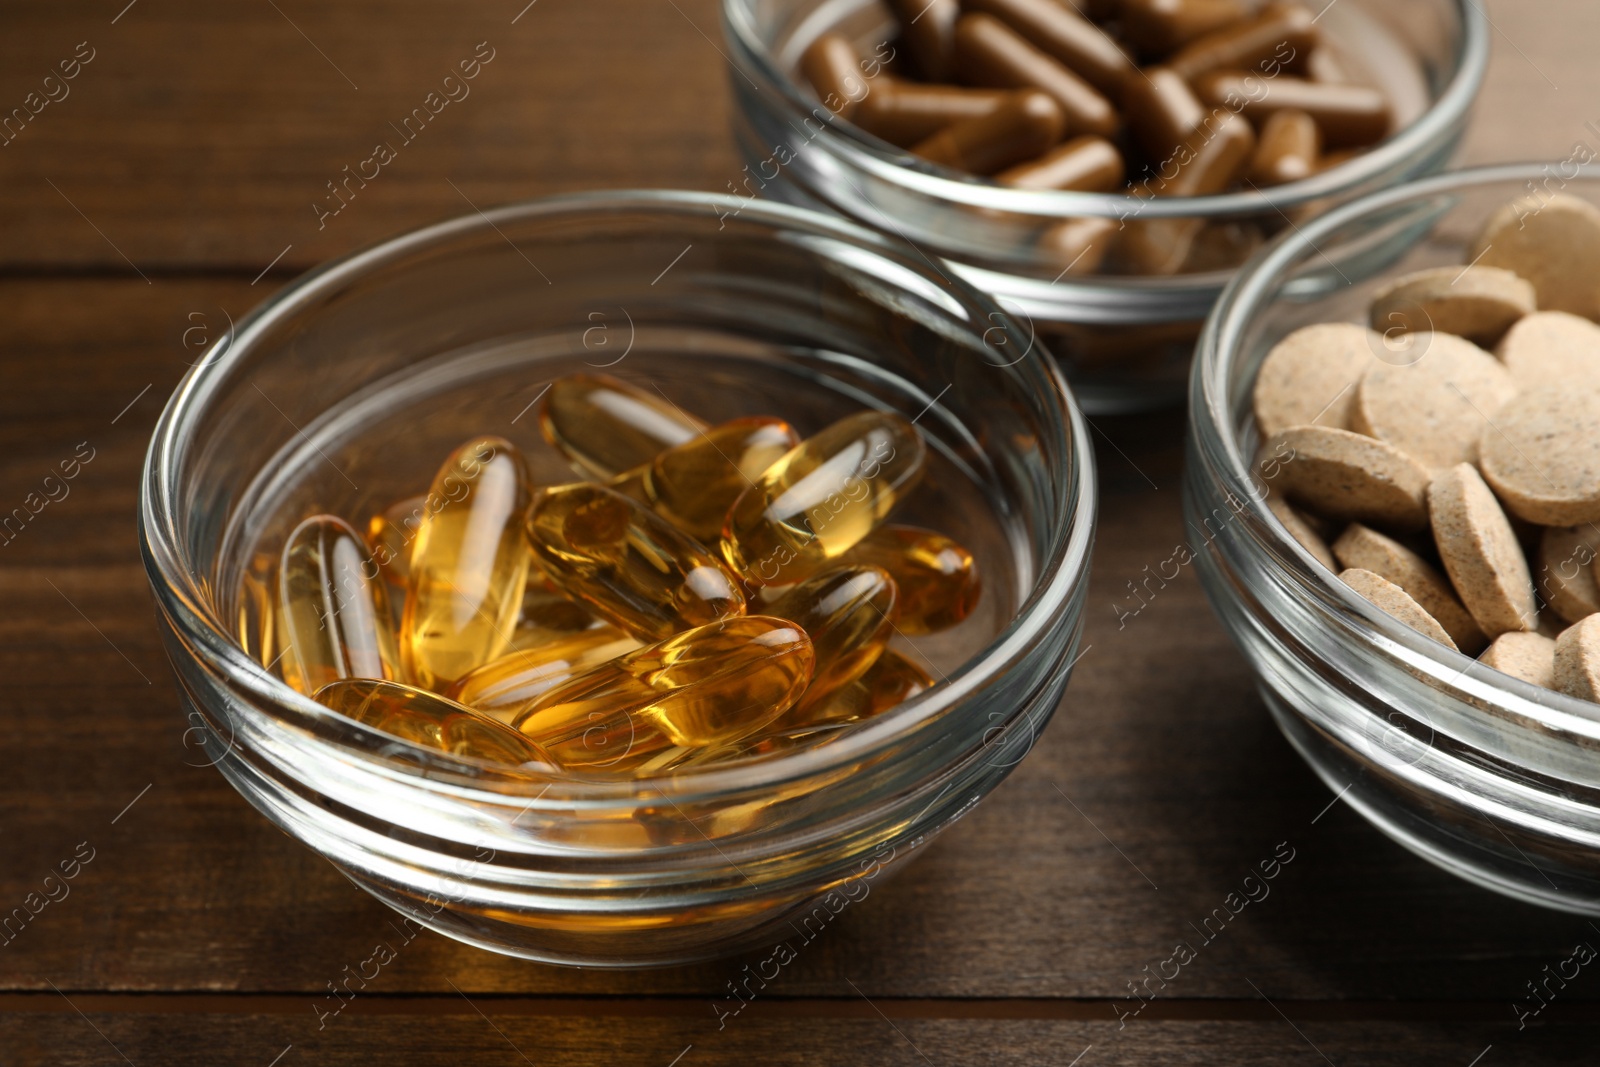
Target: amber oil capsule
[
  {"x": 693, "y": 485},
  {"x": 1287, "y": 150},
  {"x": 1283, "y": 31},
  {"x": 928, "y": 28},
  {"x": 547, "y": 615},
  {"x": 333, "y": 610},
  {"x": 1021, "y": 127},
  {"x": 605, "y": 426},
  {"x": 1088, "y": 164},
  {"x": 892, "y": 680},
  {"x": 503, "y": 687},
  {"x": 936, "y": 578},
  {"x": 390, "y": 534},
  {"x": 1074, "y": 41},
  {"x": 1348, "y": 115},
  {"x": 469, "y": 564},
  {"x": 988, "y": 52},
  {"x": 904, "y": 113},
  {"x": 431, "y": 721},
  {"x": 628, "y": 564},
  {"x": 257, "y": 628},
  {"x": 848, "y": 615},
  {"x": 705, "y": 686},
  {"x": 822, "y": 498},
  {"x": 1157, "y": 27},
  {"x": 1162, "y": 111},
  {"x": 832, "y": 68}
]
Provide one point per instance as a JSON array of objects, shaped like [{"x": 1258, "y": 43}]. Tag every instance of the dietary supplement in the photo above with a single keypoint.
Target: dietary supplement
[
  {"x": 709, "y": 593},
  {"x": 1463, "y": 486}
]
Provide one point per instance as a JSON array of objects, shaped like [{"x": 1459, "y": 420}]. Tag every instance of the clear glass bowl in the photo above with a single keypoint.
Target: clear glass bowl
[
  {"x": 343, "y": 392},
  {"x": 1487, "y": 776},
  {"x": 1125, "y": 341}
]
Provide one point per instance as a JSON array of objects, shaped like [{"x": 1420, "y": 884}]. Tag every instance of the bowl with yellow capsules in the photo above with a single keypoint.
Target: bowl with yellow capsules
[{"x": 616, "y": 580}]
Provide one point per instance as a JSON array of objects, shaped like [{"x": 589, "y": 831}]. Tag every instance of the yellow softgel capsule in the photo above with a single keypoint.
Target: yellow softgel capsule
[
  {"x": 547, "y": 615},
  {"x": 503, "y": 687},
  {"x": 892, "y": 680},
  {"x": 846, "y": 614},
  {"x": 936, "y": 577},
  {"x": 820, "y": 499},
  {"x": 258, "y": 595},
  {"x": 627, "y": 563},
  {"x": 390, "y": 534},
  {"x": 430, "y": 720},
  {"x": 333, "y": 610},
  {"x": 468, "y": 564},
  {"x": 705, "y": 686},
  {"x": 694, "y": 484},
  {"x": 605, "y": 426}
]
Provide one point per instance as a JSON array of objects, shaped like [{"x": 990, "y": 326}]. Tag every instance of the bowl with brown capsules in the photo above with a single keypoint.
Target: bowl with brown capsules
[
  {"x": 1393, "y": 496},
  {"x": 1101, "y": 168},
  {"x": 604, "y": 581}
]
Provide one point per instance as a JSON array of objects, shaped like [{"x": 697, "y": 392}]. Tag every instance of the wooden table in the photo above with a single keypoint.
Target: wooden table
[{"x": 174, "y": 186}]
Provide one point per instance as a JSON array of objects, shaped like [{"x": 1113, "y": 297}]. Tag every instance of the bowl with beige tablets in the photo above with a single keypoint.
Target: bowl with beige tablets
[
  {"x": 1393, "y": 501},
  {"x": 605, "y": 581},
  {"x": 1100, "y": 168}
]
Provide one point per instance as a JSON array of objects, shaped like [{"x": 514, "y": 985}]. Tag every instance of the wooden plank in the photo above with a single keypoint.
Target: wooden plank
[
  {"x": 460, "y": 1035},
  {"x": 203, "y": 135},
  {"x": 1159, "y": 785}
]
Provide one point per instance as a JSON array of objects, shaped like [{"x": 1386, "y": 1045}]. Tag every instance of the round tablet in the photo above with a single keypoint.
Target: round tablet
[
  {"x": 1476, "y": 302},
  {"x": 1309, "y": 377},
  {"x": 1363, "y": 548},
  {"x": 1343, "y": 475},
  {"x": 1531, "y": 657},
  {"x": 1577, "y": 660},
  {"x": 1551, "y": 348},
  {"x": 1565, "y": 575},
  {"x": 1480, "y": 552},
  {"x": 1433, "y": 409},
  {"x": 1391, "y": 599},
  {"x": 1301, "y": 531},
  {"x": 1554, "y": 243},
  {"x": 1542, "y": 454}
]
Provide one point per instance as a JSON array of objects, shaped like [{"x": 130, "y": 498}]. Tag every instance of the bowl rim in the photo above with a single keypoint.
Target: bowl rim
[
  {"x": 184, "y": 598},
  {"x": 885, "y": 162},
  {"x": 1211, "y": 421}
]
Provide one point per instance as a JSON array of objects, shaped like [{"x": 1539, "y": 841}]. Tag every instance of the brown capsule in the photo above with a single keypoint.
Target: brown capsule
[
  {"x": 1058, "y": 31},
  {"x": 988, "y": 52},
  {"x": 936, "y": 579},
  {"x": 1088, "y": 164},
  {"x": 928, "y": 28},
  {"x": 605, "y": 426},
  {"x": 1282, "y": 32},
  {"x": 1287, "y": 150},
  {"x": 1324, "y": 65},
  {"x": 627, "y": 563},
  {"x": 1347, "y": 115},
  {"x": 1077, "y": 246},
  {"x": 904, "y": 113},
  {"x": 1209, "y": 160},
  {"x": 431, "y": 721},
  {"x": 693, "y": 485},
  {"x": 1222, "y": 245},
  {"x": 846, "y": 613},
  {"x": 1023, "y": 126},
  {"x": 834, "y": 71},
  {"x": 1157, "y": 27},
  {"x": 1156, "y": 247},
  {"x": 1162, "y": 111}
]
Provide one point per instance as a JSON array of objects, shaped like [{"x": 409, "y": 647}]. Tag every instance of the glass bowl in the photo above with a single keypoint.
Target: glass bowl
[
  {"x": 1125, "y": 341},
  {"x": 1487, "y": 776},
  {"x": 345, "y": 390}
]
